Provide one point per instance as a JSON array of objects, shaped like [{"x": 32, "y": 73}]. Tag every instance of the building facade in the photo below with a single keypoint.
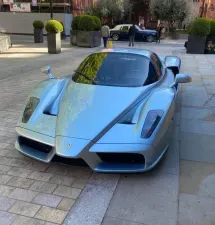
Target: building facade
[{"x": 207, "y": 9}]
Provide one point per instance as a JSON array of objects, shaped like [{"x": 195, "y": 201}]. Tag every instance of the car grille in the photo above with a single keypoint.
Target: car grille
[
  {"x": 35, "y": 145},
  {"x": 126, "y": 158}
]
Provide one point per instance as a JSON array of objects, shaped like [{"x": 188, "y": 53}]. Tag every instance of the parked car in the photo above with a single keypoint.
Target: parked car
[
  {"x": 115, "y": 112},
  {"x": 120, "y": 32}
]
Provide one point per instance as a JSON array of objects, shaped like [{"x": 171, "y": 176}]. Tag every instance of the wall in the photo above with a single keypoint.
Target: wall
[{"x": 21, "y": 23}]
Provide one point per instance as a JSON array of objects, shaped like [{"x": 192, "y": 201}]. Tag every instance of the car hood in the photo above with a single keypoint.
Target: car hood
[{"x": 87, "y": 111}]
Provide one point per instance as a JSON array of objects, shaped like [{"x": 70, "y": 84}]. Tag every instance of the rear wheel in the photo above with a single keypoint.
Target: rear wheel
[
  {"x": 150, "y": 38},
  {"x": 115, "y": 37}
]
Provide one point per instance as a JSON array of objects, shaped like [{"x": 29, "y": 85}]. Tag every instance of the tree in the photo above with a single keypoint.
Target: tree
[
  {"x": 115, "y": 10},
  {"x": 171, "y": 11}
]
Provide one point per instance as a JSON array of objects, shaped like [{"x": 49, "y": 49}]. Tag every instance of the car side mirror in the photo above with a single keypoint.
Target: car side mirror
[
  {"x": 47, "y": 70},
  {"x": 181, "y": 78}
]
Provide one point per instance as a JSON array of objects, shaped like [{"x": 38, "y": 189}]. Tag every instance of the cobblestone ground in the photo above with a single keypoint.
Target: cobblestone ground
[{"x": 33, "y": 193}]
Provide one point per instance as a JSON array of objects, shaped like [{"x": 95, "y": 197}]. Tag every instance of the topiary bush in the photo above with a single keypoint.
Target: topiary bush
[
  {"x": 212, "y": 23},
  {"x": 75, "y": 22},
  {"x": 200, "y": 27},
  {"x": 38, "y": 24},
  {"x": 54, "y": 26},
  {"x": 87, "y": 23},
  {"x": 98, "y": 23}
]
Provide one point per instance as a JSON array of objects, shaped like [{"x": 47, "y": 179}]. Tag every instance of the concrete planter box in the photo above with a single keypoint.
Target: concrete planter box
[
  {"x": 196, "y": 44},
  {"x": 88, "y": 39},
  {"x": 73, "y": 37},
  {"x": 38, "y": 35},
  {"x": 54, "y": 43}
]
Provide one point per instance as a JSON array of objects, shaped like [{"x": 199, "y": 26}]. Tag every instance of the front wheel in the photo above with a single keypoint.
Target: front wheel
[
  {"x": 150, "y": 38},
  {"x": 115, "y": 37}
]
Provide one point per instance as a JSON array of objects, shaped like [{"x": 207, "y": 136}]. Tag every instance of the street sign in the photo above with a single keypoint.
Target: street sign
[{"x": 20, "y": 7}]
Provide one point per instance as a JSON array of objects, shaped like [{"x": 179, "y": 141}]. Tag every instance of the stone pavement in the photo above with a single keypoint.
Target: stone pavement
[{"x": 33, "y": 193}]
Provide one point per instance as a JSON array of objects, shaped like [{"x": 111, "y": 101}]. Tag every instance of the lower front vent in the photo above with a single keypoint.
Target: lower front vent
[{"x": 130, "y": 158}]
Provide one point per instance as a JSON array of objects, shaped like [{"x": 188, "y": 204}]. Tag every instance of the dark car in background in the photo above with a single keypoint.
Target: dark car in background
[{"x": 120, "y": 32}]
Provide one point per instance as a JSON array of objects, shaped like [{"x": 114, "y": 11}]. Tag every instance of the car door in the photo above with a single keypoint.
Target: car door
[
  {"x": 124, "y": 32},
  {"x": 139, "y": 35}
]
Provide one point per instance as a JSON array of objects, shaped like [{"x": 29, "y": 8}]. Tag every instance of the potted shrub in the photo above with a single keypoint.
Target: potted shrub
[
  {"x": 74, "y": 30},
  {"x": 211, "y": 36},
  {"x": 54, "y": 28},
  {"x": 89, "y": 34},
  {"x": 38, "y": 31},
  {"x": 198, "y": 32}
]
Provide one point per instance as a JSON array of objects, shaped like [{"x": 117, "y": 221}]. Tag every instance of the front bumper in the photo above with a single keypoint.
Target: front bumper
[{"x": 141, "y": 157}]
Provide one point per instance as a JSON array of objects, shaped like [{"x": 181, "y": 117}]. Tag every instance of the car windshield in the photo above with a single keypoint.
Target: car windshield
[{"x": 113, "y": 69}]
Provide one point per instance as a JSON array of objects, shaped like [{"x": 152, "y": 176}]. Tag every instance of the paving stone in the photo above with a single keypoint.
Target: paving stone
[
  {"x": 66, "y": 204},
  {"x": 69, "y": 192},
  {"x": 18, "y": 163},
  {"x": 17, "y": 155},
  {"x": 19, "y": 172},
  {"x": 198, "y": 126},
  {"x": 6, "y": 218},
  {"x": 197, "y": 147},
  {"x": 51, "y": 215},
  {"x": 114, "y": 221},
  {"x": 197, "y": 178},
  {"x": 43, "y": 187},
  {"x": 20, "y": 182},
  {"x": 5, "y": 190},
  {"x": 196, "y": 113},
  {"x": 82, "y": 213},
  {"x": 23, "y": 195},
  {"x": 4, "y": 179},
  {"x": 47, "y": 200},
  {"x": 196, "y": 210},
  {"x": 64, "y": 180},
  {"x": 107, "y": 180},
  {"x": 58, "y": 169},
  {"x": 6, "y": 203},
  {"x": 25, "y": 208},
  {"x": 36, "y": 175},
  {"x": 4, "y": 160},
  {"x": 80, "y": 183},
  {"x": 193, "y": 100},
  {"x": 47, "y": 223},
  {"x": 4, "y": 152},
  {"x": 38, "y": 166},
  {"x": 22, "y": 220},
  {"x": 80, "y": 172},
  {"x": 146, "y": 198}
]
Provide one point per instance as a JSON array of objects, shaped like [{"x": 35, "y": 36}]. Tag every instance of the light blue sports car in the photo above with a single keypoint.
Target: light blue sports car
[{"x": 115, "y": 112}]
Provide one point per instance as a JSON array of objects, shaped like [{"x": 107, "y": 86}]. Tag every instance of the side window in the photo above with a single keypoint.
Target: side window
[
  {"x": 152, "y": 75},
  {"x": 157, "y": 64},
  {"x": 125, "y": 28}
]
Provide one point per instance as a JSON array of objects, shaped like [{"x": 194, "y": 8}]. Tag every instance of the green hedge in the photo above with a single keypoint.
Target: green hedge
[
  {"x": 86, "y": 23},
  {"x": 54, "y": 26},
  {"x": 200, "y": 26},
  {"x": 98, "y": 23},
  {"x": 38, "y": 24},
  {"x": 212, "y": 23},
  {"x": 75, "y": 22}
]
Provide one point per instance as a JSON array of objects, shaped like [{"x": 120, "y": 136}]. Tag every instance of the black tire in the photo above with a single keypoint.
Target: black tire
[
  {"x": 115, "y": 37},
  {"x": 149, "y": 38}
]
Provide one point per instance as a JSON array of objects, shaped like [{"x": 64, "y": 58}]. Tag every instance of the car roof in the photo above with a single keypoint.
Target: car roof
[{"x": 136, "y": 51}]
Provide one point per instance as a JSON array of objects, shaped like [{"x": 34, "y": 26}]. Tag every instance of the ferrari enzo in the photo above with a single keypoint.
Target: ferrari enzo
[{"x": 115, "y": 112}]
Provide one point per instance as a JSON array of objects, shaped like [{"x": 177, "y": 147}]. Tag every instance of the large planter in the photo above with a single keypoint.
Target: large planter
[
  {"x": 88, "y": 39},
  {"x": 54, "y": 43},
  {"x": 73, "y": 37},
  {"x": 38, "y": 35},
  {"x": 196, "y": 44}
]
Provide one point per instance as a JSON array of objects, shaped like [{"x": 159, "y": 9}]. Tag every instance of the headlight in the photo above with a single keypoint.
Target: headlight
[
  {"x": 29, "y": 109},
  {"x": 152, "y": 119}
]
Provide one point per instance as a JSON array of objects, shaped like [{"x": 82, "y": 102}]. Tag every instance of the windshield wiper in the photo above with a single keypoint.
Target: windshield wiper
[{"x": 85, "y": 76}]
